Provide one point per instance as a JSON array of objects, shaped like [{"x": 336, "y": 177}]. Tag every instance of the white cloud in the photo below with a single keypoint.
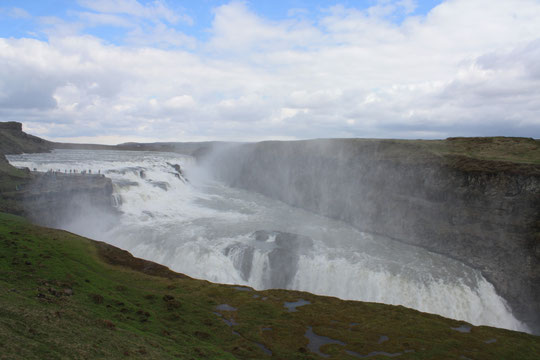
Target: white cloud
[
  {"x": 159, "y": 35},
  {"x": 18, "y": 13},
  {"x": 470, "y": 67},
  {"x": 96, "y": 19},
  {"x": 155, "y": 11},
  {"x": 237, "y": 29},
  {"x": 181, "y": 101},
  {"x": 152, "y": 24}
]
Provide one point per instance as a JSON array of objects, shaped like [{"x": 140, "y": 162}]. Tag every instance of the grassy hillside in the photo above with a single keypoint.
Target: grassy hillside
[
  {"x": 64, "y": 296},
  {"x": 500, "y": 149}
]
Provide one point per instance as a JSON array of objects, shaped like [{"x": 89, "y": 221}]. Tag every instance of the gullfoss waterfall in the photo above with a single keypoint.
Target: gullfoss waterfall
[{"x": 173, "y": 213}]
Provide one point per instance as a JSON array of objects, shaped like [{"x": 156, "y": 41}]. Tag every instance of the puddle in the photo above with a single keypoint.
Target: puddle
[
  {"x": 230, "y": 322},
  {"x": 242, "y": 288},
  {"x": 225, "y": 307},
  {"x": 383, "y": 338},
  {"x": 316, "y": 341},
  {"x": 354, "y": 324},
  {"x": 376, "y": 353},
  {"x": 266, "y": 350},
  {"x": 463, "y": 329},
  {"x": 490, "y": 341},
  {"x": 264, "y": 298},
  {"x": 293, "y": 305},
  {"x": 256, "y": 296},
  {"x": 267, "y": 329}
]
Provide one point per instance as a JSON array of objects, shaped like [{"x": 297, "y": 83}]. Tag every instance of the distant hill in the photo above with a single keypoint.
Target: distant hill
[{"x": 15, "y": 141}]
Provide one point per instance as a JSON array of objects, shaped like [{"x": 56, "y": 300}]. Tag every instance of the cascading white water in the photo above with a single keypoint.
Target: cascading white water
[{"x": 210, "y": 231}]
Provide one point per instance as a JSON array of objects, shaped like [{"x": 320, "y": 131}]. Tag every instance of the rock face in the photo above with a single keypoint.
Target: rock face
[
  {"x": 14, "y": 141},
  {"x": 55, "y": 199},
  {"x": 283, "y": 250},
  {"x": 483, "y": 213},
  {"x": 50, "y": 199},
  {"x": 11, "y": 125}
]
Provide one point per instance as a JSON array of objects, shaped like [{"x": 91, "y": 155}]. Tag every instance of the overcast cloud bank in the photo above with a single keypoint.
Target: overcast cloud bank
[{"x": 467, "y": 68}]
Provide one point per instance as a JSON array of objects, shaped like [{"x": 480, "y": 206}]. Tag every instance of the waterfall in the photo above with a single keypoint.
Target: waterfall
[{"x": 173, "y": 216}]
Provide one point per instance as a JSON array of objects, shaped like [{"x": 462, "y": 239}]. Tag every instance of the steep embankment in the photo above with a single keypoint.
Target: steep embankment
[
  {"x": 46, "y": 198},
  {"x": 64, "y": 296},
  {"x": 476, "y": 200}
]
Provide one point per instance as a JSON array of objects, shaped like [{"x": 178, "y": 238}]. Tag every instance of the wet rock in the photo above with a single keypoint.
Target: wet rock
[
  {"x": 243, "y": 259},
  {"x": 160, "y": 184},
  {"x": 283, "y": 258}
]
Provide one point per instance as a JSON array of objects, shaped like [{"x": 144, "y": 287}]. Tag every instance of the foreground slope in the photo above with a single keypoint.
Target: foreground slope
[{"x": 65, "y": 296}]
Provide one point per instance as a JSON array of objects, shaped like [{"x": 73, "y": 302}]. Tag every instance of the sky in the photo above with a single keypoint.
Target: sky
[{"x": 114, "y": 71}]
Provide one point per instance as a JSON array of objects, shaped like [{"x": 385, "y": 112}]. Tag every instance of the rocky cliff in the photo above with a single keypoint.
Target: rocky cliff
[
  {"x": 483, "y": 212},
  {"x": 47, "y": 198},
  {"x": 14, "y": 141},
  {"x": 56, "y": 199}
]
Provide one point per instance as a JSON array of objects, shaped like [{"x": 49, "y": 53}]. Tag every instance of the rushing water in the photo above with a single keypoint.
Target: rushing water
[{"x": 209, "y": 231}]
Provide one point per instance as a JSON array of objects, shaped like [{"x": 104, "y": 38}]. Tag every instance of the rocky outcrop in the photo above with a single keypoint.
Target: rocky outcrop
[
  {"x": 11, "y": 125},
  {"x": 14, "y": 141},
  {"x": 481, "y": 212},
  {"x": 55, "y": 199},
  {"x": 51, "y": 198}
]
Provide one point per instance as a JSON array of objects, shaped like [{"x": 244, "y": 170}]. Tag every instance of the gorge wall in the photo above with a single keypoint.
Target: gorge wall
[
  {"x": 52, "y": 198},
  {"x": 484, "y": 213},
  {"x": 55, "y": 199}
]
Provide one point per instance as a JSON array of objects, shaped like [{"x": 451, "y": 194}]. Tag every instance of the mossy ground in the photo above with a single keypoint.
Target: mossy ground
[
  {"x": 62, "y": 296},
  {"x": 502, "y": 149}
]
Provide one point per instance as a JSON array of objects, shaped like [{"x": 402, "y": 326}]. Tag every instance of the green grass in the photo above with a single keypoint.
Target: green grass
[
  {"x": 506, "y": 149},
  {"x": 62, "y": 296},
  {"x": 509, "y": 149}
]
